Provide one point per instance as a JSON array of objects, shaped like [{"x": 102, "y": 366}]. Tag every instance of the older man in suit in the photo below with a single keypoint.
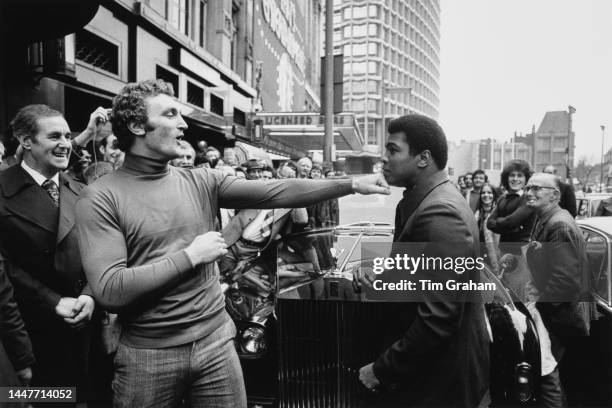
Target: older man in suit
[
  {"x": 438, "y": 352},
  {"x": 39, "y": 243},
  {"x": 558, "y": 264}
]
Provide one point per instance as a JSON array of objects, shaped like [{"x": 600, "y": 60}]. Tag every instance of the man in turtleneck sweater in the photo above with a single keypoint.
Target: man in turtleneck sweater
[{"x": 149, "y": 247}]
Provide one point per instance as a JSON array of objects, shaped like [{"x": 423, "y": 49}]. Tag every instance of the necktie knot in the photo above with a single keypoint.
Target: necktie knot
[{"x": 53, "y": 191}]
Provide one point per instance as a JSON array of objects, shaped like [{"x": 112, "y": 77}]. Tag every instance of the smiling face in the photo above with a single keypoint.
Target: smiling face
[
  {"x": 486, "y": 195},
  {"x": 478, "y": 179},
  {"x": 304, "y": 167},
  {"x": 399, "y": 166},
  {"x": 542, "y": 192},
  {"x": 516, "y": 181},
  {"x": 163, "y": 130},
  {"x": 48, "y": 150}
]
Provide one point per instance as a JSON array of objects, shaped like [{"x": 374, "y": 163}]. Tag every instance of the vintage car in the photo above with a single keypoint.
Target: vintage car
[
  {"x": 595, "y": 363},
  {"x": 302, "y": 343},
  {"x": 587, "y": 205}
]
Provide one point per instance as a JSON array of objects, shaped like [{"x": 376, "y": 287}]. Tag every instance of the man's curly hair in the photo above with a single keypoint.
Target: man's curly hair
[{"x": 129, "y": 106}]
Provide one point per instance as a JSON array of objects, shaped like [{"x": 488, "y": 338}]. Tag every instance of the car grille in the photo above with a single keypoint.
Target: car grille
[{"x": 322, "y": 346}]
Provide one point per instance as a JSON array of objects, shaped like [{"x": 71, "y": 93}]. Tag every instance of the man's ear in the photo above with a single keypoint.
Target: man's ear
[
  {"x": 136, "y": 128},
  {"x": 25, "y": 142},
  {"x": 424, "y": 158}
]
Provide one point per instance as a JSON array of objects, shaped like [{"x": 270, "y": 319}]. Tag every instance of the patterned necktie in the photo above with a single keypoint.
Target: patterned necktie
[{"x": 52, "y": 190}]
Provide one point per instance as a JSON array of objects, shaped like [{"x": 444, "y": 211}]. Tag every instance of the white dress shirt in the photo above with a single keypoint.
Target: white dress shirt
[{"x": 39, "y": 178}]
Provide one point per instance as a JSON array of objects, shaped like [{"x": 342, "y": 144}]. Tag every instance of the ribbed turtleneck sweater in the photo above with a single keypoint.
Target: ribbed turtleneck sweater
[{"x": 133, "y": 226}]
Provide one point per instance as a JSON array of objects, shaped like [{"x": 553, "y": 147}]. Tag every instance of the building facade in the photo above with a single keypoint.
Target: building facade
[
  {"x": 224, "y": 58},
  {"x": 554, "y": 142},
  {"x": 391, "y": 53}
]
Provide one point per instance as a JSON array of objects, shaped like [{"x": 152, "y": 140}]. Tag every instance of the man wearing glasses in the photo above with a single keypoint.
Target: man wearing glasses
[{"x": 558, "y": 263}]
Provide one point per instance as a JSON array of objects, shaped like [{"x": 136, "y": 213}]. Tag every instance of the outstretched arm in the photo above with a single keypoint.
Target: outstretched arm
[{"x": 292, "y": 193}]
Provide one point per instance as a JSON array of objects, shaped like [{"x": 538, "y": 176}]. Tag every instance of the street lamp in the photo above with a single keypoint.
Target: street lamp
[
  {"x": 603, "y": 128},
  {"x": 383, "y": 90}
]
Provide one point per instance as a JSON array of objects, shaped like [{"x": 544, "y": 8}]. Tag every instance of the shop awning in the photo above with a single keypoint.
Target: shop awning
[{"x": 305, "y": 130}]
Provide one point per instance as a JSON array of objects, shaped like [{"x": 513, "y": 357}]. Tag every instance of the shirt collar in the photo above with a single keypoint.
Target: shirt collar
[{"x": 39, "y": 178}]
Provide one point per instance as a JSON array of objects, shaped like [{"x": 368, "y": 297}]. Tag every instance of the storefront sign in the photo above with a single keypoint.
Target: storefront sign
[
  {"x": 306, "y": 120},
  {"x": 282, "y": 22}
]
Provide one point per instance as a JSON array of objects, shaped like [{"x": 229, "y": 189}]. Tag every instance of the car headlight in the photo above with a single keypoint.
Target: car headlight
[
  {"x": 523, "y": 382},
  {"x": 251, "y": 341}
]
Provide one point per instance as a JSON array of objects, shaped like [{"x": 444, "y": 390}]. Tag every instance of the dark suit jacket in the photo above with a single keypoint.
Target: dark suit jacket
[
  {"x": 560, "y": 273},
  {"x": 40, "y": 245},
  {"x": 568, "y": 198},
  {"x": 15, "y": 347},
  {"x": 440, "y": 356}
]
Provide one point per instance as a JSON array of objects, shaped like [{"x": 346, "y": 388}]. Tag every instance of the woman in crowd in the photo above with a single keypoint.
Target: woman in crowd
[
  {"x": 513, "y": 220},
  {"x": 490, "y": 240}
]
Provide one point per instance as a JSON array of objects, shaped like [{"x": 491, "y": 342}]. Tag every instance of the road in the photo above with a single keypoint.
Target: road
[{"x": 379, "y": 208}]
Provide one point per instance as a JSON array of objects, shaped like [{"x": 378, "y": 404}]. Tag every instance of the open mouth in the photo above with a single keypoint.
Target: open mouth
[{"x": 61, "y": 155}]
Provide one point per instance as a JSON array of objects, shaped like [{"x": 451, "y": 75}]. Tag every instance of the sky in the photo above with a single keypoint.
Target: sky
[{"x": 505, "y": 63}]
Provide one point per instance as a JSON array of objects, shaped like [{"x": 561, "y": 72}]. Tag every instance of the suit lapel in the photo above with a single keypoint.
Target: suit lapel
[
  {"x": 28, "y": 200},
  {"x": 68, "y": 197}
]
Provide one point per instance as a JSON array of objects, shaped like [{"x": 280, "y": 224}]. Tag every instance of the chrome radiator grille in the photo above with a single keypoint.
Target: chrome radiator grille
[{"x": 322, "y": 345}]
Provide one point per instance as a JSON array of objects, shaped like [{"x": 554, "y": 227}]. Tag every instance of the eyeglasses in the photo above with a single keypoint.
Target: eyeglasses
[{"x": 535, "y": 189}]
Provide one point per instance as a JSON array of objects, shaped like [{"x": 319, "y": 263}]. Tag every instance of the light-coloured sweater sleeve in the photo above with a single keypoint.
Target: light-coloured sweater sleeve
[
  {"x": 104, "y": 255},
  {"x": 289, "y": 193}
]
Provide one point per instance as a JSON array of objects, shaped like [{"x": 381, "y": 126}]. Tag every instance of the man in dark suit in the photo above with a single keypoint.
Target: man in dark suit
[
  {"x": 440, "y": 353},
  {"x": 39, "y": 243},
  {"x": 558, "y": 263}
]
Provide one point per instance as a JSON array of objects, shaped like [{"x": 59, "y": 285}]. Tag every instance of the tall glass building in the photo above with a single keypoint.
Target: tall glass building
[{"x": 392, "y": 52}]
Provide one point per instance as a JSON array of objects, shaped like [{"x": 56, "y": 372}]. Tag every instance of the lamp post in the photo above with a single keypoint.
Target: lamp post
[
  {"x": 383, "y": 90},
  {"x": 603, "y": 128}
]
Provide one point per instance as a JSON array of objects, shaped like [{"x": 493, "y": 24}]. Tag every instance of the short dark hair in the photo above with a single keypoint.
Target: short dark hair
[
  {"x": 480, "y": 171},
  {"x": 25, "y": 122},
  {"x": 515, "y": 165},
  {"x": 129, "y": 106},
  {"x": 422, "y": 133}
]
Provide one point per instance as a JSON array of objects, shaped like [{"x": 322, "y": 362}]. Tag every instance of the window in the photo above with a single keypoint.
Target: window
[
  {"x": 216, "y": 104},
  {"x": 359, "y": 30},
  {"x": 203, "y": 14},
  {"x": 597, "y": 255},
  {"x": 195, "y": 95},
  {"x": 96, "y": 51},
  {"x": 168, "y": 76},
  {"x": 239, "y": 117},
  {"x": 234, "y": 44},
  {"x": 360, "y": 12},
  {"x": 347, "y": 32},
  {"x": 373, "y": 49},
  {"x": 373, "y": 30},
  {"x": 373, "y": 11},
  {"x": 347, "y": 13},
  {"x": 337, "y": 18},
  {"x": 177, "y": 14},
  {"x": 359, "y": 49}
]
